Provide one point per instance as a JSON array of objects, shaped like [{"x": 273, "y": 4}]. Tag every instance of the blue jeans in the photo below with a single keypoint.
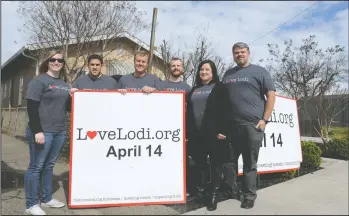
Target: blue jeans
[{"x": 42, "y": 160}]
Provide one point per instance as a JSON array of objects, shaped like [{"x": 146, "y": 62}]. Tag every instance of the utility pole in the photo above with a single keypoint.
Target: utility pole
[{"x": 152, "y": 39}]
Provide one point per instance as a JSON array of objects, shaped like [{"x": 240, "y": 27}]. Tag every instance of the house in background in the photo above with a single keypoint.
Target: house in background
[{"x": 18, "y": 70}]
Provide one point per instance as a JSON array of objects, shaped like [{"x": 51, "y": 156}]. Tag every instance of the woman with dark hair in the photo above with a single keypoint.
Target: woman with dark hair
[
  {"x": 48, "y": 100},
  {"x": 206, "y": 125}
]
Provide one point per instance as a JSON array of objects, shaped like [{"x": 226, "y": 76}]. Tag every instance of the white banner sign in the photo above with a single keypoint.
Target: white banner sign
[
  {"x": 281, "y": 147},
  {"x": 127, "y": 149}
]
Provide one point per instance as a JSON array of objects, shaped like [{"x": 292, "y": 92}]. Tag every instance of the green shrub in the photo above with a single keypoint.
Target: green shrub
[
  {"x": 337, "y": 149},
  {"x": 311, "y": 155},
  {"x": 290, "y": 174}
]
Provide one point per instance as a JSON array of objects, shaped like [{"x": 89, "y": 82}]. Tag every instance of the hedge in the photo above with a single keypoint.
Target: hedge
[
  {"x": 338, "y": 145},
  {"x": 336, "y": 148},
  {"x": 311, "y": 155}
]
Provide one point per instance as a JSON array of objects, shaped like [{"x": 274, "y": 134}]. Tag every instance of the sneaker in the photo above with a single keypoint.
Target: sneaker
[
  {"x": 35, "y": 210},
  {"x": 53, "y": 204}
]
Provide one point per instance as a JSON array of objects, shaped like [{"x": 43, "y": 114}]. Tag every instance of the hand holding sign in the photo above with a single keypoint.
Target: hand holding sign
[{"x": 150, "y": 148}]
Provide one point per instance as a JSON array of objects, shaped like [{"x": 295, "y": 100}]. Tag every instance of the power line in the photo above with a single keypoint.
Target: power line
[{"x": 286, "y": 21}]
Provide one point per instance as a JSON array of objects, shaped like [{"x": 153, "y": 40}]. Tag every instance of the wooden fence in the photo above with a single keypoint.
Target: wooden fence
[{"x": 14, "y": 120}]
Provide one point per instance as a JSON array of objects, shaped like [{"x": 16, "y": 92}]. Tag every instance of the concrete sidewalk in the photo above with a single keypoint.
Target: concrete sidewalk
[{"x": 325, "y": 192}]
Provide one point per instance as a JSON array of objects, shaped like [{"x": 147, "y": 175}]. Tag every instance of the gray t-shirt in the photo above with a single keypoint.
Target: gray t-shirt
[
  {"x": 102, "y": 83},
  {"x": 131, "y": 82},
  {"x": 247, "y": 88},
  {"x": 176, "y": 86},
  {"x": 53, "y": 95},
  {"x": 198, "y": 99}
]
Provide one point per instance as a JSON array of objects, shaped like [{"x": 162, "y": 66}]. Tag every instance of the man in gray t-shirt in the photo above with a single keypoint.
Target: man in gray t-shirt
[
  {"x": 95, "y": 80},
  {"x": 134, "y": 82},
  {"x": 140, "y": 80},
  {"x": 89, "y": 82},
  {"x": 174, "y": 83},
  {"x": 247, "y": 84}
]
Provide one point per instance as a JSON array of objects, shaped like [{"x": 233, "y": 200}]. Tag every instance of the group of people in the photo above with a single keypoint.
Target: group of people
[{"x": 224, "y": 119}]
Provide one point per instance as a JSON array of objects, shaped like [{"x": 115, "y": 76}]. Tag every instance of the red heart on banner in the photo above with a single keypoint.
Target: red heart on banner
[{"x": 91, "y": 134}]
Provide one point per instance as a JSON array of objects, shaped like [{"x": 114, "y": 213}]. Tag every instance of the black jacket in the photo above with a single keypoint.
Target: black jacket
[{"x": 216, "y": 116}]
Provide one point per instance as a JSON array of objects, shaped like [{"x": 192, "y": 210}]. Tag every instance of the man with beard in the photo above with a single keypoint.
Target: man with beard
[
  {"x": 140, "y": 80},
  {"x": 95, "y": 79},
  {"x": 247, "y": 86},
  {"x": 174, "y": 83}
]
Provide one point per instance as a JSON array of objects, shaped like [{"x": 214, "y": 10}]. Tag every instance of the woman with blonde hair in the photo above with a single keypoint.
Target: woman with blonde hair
[{"x": 48, "y": 100}]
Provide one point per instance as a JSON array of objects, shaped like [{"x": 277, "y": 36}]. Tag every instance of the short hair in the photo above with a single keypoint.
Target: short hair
[
  {"x": 95, "y": 56},
  {"x": 241, "y": 45},
  {"x": 175, "y": 59},
  {"x": 215, "y": 77},
  {"x": 141, "y": 53}
]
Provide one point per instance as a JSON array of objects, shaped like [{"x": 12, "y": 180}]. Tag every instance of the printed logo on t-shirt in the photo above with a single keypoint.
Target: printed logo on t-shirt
[
  {"x": 175, "y": 89},
  {"x": 52, "y": 86},
  {"x": 244, "y": 79},
  {"x": 205, "y": 92}
]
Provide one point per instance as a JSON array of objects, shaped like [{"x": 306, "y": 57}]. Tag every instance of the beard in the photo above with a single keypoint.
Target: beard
[{"x": 176, "y": 75}]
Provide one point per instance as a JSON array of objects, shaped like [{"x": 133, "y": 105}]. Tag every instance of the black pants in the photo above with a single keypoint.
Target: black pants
[
  {"x": 245, "y": 140},
  {"x": 197, "y": 166},
  {"x": 205, "y": 166}
]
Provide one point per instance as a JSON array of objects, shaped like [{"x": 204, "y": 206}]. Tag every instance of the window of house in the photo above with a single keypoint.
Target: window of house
[
  {"x": 5, "y": 91},
  {"x": 120, "y": 50},
  {"x": 110, "y": 69},
  {"x": 137, "y": 48},
  {"x": 20, "y": 91},
  {"x": 9, "y": 89}
]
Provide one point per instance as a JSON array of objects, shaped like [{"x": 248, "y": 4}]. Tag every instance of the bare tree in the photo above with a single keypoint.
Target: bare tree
[
  {"x": 78, "y": 27},
  {"x": 166, "y": 54},
  {"x": 311, "y": 75},
  {"x": 192, "y": 56},
  {"x": 222, "y": 66},
  {"x": 324, "y": 109},
  {"x": 201, "y": 51},
  {"x": 306, "y": 71}
]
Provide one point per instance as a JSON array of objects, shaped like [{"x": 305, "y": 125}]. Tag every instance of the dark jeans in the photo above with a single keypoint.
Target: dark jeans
[
  {"x": 246, "y": 140},
  {"x": 42, "y": 160}
]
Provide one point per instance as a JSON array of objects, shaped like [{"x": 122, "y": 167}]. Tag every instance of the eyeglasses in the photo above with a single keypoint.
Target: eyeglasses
[{"x": 54, "y": 60}]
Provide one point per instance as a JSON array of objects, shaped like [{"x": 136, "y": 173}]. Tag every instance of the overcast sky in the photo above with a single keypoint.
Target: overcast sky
[{"x": 225, "y": 23}]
